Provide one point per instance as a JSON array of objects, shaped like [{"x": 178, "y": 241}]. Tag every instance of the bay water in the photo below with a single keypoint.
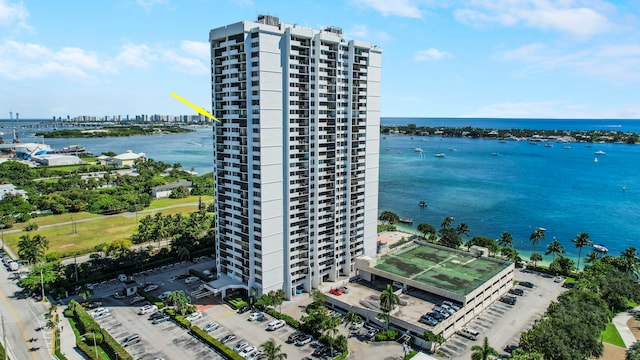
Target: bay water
[{"x": 489, "y": 185}]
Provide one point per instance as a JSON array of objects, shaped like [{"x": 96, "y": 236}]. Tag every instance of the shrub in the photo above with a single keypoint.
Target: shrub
[
  {"x": 387, "y": 335},
  {"x": 288, "y": 319}
]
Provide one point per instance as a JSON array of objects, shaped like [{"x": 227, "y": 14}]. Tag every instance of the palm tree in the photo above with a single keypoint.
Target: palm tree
[
  {"x": 183, "y": 255},
  {"x": 351, "y": 318},
  {"x": 483, "y": 352},
  {"x": 463, "y": 228},
  {"x": 278, "y": 297},
  {"x": 535, "y": 257},
  {"x": 506, "y": 239},
  {"x": 581, "y": 241},
  {"x": 535, "y": 237},
  {"x": 433, "y": 339},
  {"x": 447, "y": 222},
  {"x": 630, "y": 261},
  {"x": 32, "y": 249},
  {"x": 388, "y": 300},
  {"x": 555, "y": 248},
  {"x": 271, "y": 351}
]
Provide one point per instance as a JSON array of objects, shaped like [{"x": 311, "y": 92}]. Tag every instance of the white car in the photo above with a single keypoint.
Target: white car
[
  {"x": 164, "y": 295},
  {"x": 102, "y": 316},
  {"x": 147, "y": 309},
  {"x": 258, "y": 315},
  {"x": 194, "y": 316},
  {"x": 246, "y": 351},
  {"x": 150, "y": 288},
  {"x": 276, "y": 324},
  {"x": 211, "y": 326},
  {"x": 191, "y": 279},
  {"x": 97, "y": 311},
  {"x": 240, "y": 345}
]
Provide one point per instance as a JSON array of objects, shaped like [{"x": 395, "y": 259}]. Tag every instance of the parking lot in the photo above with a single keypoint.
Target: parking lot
[{"x": 501, "y": 323}]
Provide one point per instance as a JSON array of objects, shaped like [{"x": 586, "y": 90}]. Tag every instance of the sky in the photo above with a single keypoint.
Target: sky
[{"x": 441, "y": 58}]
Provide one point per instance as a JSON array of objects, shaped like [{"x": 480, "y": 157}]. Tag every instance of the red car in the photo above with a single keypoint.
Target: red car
[{"x": 336, "y": 292}]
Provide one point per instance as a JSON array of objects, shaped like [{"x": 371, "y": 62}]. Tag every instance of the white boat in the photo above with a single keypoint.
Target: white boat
[
  {"x": 417, "y": 149},
  {"x": 440, "y": 155},
  {"x": 599, "y": 152},
  {"x": 595, "y": 160},
  {"x": 600, "y": 248},
  {"x": 566, "y": 147}
]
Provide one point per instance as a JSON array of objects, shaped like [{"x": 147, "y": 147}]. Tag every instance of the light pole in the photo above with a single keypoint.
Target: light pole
[{"x": 42, "y": 283}]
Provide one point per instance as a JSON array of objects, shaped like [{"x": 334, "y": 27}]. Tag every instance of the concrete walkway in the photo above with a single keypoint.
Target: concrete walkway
[
  {"x": 620, "y": 321},
  {"x": 68, "y": 339}
]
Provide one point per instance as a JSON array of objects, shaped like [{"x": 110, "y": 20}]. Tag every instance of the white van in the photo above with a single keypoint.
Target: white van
[
  {"x": 147, "y": 309},
  {"x": 469, "y": 333}
]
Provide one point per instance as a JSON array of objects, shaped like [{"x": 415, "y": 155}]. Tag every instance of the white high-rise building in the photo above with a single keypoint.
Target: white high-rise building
[{"x": 296, "y": 153}]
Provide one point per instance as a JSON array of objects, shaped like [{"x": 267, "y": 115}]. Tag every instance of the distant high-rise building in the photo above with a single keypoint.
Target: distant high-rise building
[{"x": 296, "y": 153}]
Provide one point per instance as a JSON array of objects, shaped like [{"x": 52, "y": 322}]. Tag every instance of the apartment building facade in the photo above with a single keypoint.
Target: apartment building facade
[{"x": 296, "y": 153}]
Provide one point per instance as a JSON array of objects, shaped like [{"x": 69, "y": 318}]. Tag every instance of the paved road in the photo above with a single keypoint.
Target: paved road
[{"x": 24, "y": 322}]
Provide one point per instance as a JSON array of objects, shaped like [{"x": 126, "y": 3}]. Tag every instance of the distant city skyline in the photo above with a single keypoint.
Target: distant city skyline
[{"x": 501, "y": 58}]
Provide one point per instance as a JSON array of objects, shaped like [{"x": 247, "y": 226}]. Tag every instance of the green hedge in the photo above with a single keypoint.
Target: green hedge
[
  {"x": 288, "y": 319},
  {"x": 86, "y": 323},
  {"x": 2, "y": 352},
  {"x": 387, "y": 335}
]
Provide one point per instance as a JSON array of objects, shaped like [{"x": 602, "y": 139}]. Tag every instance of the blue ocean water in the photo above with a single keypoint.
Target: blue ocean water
[{"x": 524, "y": 187}]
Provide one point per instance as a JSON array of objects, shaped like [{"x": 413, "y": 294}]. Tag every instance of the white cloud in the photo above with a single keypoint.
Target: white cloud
[
  {"x": 364, "y": 33},
  {"x": 148, "y": 4},
  {"x": 196, "y": 48},
  {"x": 430, "y": 55},
  {"x": 553, "y": 109},
  {"x": 581, "y": 18},
  {"x": 25, "y": 60},
  {"x": 13, "y": 13},
  {"x": 612, "y": 63},
  {"x": 185, "y": 64},
  {"x": 403, "y": 8},
  {"x": 136, "y": 55}
]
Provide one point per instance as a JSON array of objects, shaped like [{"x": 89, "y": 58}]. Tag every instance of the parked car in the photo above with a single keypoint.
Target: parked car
[
  {"x": 436, "y": 315},
  {"x": 244, "y": 309},
  {"x": 526, "y": 284},
  {"x": 294, "y": 336},
  {"x": 516, "y": 291},
  {"x": 256, "y": 316},
  {"x": 240, "y": 345},
  {"x": 194, "y": 316},
  {"x": 320, "y": 350},
  {"x": 147, "y": 309},
  {"x": 357, "y": 325},
  {"x": 98, "y": 311},
  {"x": 511, "y": 348},
  {"x": 371, "y": 333},
  {"x": 448, "y": 309},
  {"x": 469, "y": 333},
  {"x": 558, "y": 279},
  {"x": 442, "y": 312},
  {"x": 102, "y": 316},
  {"x": 452, "y": 305},
  {"x": 276, "y": 324},
  {"x": 136, "y": 299},
  {"x": 227, "y": 338},
  {"x": 211, "y": 326},
  {"x": 161, "y": 319},
  {"x": 93, "y": 305},
  {"x": 344, "y": 289},
  {"x": 150, "y": 288},
  {"x": 508, "y": 299},
  {"x": 304, "y": 340},
  {"x": 131, "y": 339},
  {"x": 164, "y": 295},
  {"x": 155, "y": 315},
  {"x": 426, "y": 319},
  {"x": 191, "y": 279},
  {"x": 335, "y": 291},
  {"x": 246, "y": 351}
]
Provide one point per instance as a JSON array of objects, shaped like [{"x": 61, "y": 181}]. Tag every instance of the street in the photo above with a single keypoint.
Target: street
[{"x": 24, "y": 322}]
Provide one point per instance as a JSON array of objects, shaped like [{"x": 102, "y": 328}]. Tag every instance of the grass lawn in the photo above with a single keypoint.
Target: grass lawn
[
  {"x": 99, "y": 229},
  {"x": 171, "y": 202},
  {"x": 611, "y": 336}
]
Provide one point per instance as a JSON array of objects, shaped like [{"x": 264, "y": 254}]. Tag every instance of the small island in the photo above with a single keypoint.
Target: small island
[{"x": 114, "y": 131}]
